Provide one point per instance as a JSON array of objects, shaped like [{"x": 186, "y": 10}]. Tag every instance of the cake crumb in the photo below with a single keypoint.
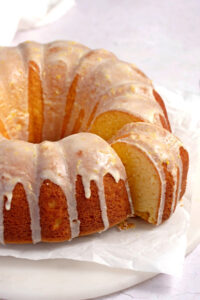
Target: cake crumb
[
  {"x": 125, "y": 225},
  {"x": 181, "y": 202}
]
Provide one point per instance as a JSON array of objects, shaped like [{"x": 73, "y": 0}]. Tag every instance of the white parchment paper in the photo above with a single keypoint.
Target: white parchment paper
[{"x": 146, "y": 247}]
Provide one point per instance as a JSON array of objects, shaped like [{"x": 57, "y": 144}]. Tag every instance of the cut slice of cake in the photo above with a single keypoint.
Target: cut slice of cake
[{"x": 156, "y": 165}]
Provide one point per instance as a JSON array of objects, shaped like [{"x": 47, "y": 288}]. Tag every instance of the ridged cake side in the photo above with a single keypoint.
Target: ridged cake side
[{"x": 56, "y": 191}]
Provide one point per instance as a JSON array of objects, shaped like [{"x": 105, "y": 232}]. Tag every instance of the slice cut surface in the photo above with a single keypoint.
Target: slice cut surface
[{"x": 143, "y": 179}]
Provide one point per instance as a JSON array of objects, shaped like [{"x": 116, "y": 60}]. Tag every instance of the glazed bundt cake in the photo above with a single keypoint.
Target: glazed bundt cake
[{"x": 59, "y": 104}]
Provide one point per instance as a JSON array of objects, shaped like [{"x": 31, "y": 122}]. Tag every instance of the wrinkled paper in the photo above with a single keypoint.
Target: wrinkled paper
[{"x": 148, "y": 248}]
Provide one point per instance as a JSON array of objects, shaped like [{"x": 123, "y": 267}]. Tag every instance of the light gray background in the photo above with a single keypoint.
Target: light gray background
[{"x": 161, "y": 37}]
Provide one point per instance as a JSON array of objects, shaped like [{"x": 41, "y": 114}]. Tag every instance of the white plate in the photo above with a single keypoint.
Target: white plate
[{"x": 66, "y": 279}]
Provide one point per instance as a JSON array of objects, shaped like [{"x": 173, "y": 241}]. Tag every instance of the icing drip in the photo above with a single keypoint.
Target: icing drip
[
  {"x": 103, "y": 204},
  {"x": 129, "y": 197},
  {"x": 69, "y": 188},
  {"x": 178, "y": 182},
  {"x": 8, "y": 201},
  {"x": 1, "y": 219},
  {"x": 1, "y": 207},
  {"x": 32, "y": 191},
  {"x": 91, "y": 158},
  {"x": 155, "y": 142},
  {"x": 61, "y": 162},
  {"x": 17, "y": 168},
  {"x": 60, "y": 62}
]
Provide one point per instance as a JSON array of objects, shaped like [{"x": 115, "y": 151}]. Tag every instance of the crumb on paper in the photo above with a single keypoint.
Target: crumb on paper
[
  {"x": 181, "y": 202},
  {"x": 125, "y": 225}
]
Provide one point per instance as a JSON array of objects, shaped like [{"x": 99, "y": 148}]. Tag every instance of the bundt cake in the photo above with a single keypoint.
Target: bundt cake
[{"x": 59, "y": 105}]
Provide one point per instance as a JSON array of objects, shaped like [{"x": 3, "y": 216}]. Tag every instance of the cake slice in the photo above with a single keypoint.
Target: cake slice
[{"x": 156, "y": 165}]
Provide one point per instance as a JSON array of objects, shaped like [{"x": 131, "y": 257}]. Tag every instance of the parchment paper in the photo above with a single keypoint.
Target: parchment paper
[{"x": 146, "y": 247}]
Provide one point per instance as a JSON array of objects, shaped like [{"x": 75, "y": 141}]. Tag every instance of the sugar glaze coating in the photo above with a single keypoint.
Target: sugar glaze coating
[{"x": 83, "y": 154}]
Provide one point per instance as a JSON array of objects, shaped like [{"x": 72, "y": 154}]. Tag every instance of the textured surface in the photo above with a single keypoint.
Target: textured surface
[
  {"x": 52, "y": 91},
  {"x": 153, "y": 34},
  {"x": 161, "y": 152},
  {"x": 57, "y": 191}
]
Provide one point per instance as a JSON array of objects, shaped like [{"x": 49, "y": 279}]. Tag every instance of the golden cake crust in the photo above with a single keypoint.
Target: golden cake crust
[
  {"x": 57, "y": 190},
  {"x": 54, "y": 218}
]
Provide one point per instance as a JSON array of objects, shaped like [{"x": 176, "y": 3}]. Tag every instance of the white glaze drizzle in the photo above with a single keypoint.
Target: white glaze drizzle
[
  {"x": 70, "y": 188},
  {"x": 13, "y": 83},
  {"x": 92, "y": 158},
  {"x": 85, "y": 96},
  {"x": 18, "y": 161},
  {"x": 103, "y": 205},
  {"x": 60, "y": 61},
  {"x": 98, "y": 85},
  {"x": 179, "y": 178},
  {"x": 139, "y": 106},
  {"x": 61, "y": 162},
  {"x": 1, "y": 220},
  {"x": 129, "y": 198},
  {"x": 160, "y": 146}
]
